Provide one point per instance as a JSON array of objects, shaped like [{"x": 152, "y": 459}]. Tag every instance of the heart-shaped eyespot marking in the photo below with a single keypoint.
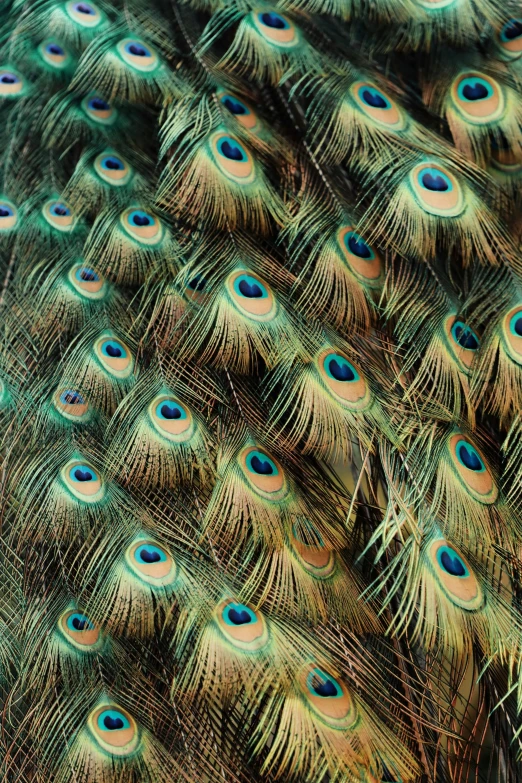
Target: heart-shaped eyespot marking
[
  {"x": 114, "y": 730},
  {"x": 83, "y": 475},
  {"x": 471, "y": 469},
  {"x": 455, "y": 576},
  {"x": 171, "y": 418},
  {"x": 232, "y": 158},
  {"x": 151, "y": 563},
  {"x": 328, "y": 697},
  {"x": 342, "y": 370},
  {"x": 343, "y": 379},
  {"x": 250, "y": 290},
  {"x": 436, "y": 190},
  {"x": 374, "y": 105},
  {"x": 263, "y": 472},
  {"x": 275, "y": 28},
  {"x": 114, "y": 356},
  {"x": 252, "y": 296},
  {"x": 240, "y": 616},
  {"x": 478, "y": 97},
  {"x": 242, "y": 626},
  {"x": 262, "y": 466},
  {"x": 435, "y": 182},
  {"x": 149, "y": 555},
  {"x": 83, "y": 481},
  {"x": 80, "y": 631}
]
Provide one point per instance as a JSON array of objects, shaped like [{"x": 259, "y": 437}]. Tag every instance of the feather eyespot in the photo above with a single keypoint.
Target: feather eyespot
[
  {"x": 83, "y": 481},
  {"x": 71, "y": 404},
  {"x": 263, "y": 473},
  {"x": 114, "y": 356},
  {"x": 114, "y": 730},
  {"x": 87, "y": 282},
  {"x": 11, "y": 83},
  {"x": 54, "y": 54},
  {"x": 478, "y": 98},
  {"x": 112, "y": 169},
  {"x": 455, "y": 576},
  {"x": 362, "y": 259},
  {"x": 252, "y": 296},
  {"x": 59, "y": 215},
  {"x": 151, "y": 563},
  {"x": 138, "y": 55},
  {"x": 510, "y": 38},
  {"x": 241, "y": 625},
  {"x": 463, "y": 342},
  {"x": 79, "y": 630},
  {"x": 472, "y": 469},
  {"x": 232, "y": 158},
  {"x": 240, "y": 109},
  {"x": 142, "y": 226},
  {"x": 99, "y": 110},
  {"x": 373, "y": 102},
  {"x": 84, "y": 14},
  {"x": 436, "y": 190},
  {"x": 512, "y": 333},
  {"x": 171, "y": 419},
  {"x": 8, "y": 215},
  {"x": 343, "y": 379},
  {"x": 275, "y": 28},
  {"x": 328, "y": 697},
  {"x": 311, "y": 552}
]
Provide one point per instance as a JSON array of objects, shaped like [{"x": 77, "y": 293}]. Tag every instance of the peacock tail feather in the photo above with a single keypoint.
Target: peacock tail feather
[{"x": 260, "y": 391}]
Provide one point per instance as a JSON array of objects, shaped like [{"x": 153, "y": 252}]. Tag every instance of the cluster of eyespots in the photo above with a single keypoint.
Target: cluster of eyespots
[
  {"x": 138, "y": 55},
  {"x": 252, "y": 296},
  {"x": 99, "y": 110},
  {"x": 455, "y": 576},
  {"x": 436, "y": 190}
]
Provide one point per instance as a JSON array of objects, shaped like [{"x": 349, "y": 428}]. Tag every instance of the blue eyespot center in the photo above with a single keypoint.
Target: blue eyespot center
[
  {"x": 516, "y": 324},
  {"x": 271, "y": 19},
  {"x": 141, "y": 219},
  {"x": 250, "y": 287},
  {"x": 469, "y": 457},
  {"x": 357, "y": 246},
  {"x": 512, "y": 30},
  {"x": 53, "y": 48},
  {"x": 87, "y": 275},
  {"x": 238, "y": 614},
  {"x": 233, "y": 105},
  {"x": 451, "y": 562},
  {"x": 150, "y": 554},
  {"x": 79, "y": 622},
  {"x": 464, "y": 336},
  {"x": 112, "y": 720},
  {"x": 71, "y": 397},
  {"x": 434, "y": 180},
  {"x": 60, "y": 210},
  {"x": 321, "y": 684},
  {"x": 9, "y": 78},
  {"x": 6, "y": 211},
  {"x": 170, "y": 411},
  {"x": 137, "y": 49},
  {"x": 476, "y": 91},
  {"x": 83, "y": 473},
  {"x": 372, "y": 97},
  {"x": 340, "y": 369},
  {"x": 231, "y": 149},
  {"x": 113, "y": 163},
  {"x": 84, "y": 8},
  {"x": 261, "y": 464},
  {"x": 113, "y": 349},
  {"x": 98, "y": 104}
]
